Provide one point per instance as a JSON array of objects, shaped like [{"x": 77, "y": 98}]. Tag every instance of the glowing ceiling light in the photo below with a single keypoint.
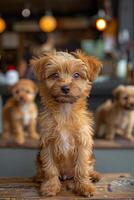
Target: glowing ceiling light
[
  {"x": 101, "y": 24},
  {"x": 26, "y": 12},
  {"x": 2, "y": 25},
  {"x": 47, "y": 23}
]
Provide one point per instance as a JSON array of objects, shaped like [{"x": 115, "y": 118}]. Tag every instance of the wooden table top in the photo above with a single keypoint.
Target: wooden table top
[{"x": 111, "y": 186}]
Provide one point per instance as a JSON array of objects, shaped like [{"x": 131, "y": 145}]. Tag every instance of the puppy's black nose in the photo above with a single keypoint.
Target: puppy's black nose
[
  {"x": 65, "y": 89},
  {"x": 132, "y": 105},
  {"x": 21, "y": 99}
]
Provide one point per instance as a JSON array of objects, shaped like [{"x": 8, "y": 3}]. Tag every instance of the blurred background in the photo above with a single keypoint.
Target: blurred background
[{"x": 103, "y": 28}]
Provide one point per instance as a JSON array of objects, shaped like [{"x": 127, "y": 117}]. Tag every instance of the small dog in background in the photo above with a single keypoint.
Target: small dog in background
[
  {"x": 117, "y": 118},
  {"x": 20, "y": 111},
  {"x": 66, "y": 124}
]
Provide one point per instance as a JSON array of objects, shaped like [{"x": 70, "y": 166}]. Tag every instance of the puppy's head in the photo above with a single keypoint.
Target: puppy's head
[
  {"x": 124, "y": 96},
  {"x": 24, "y": 91},
  {"x": 66, "y": 77}
]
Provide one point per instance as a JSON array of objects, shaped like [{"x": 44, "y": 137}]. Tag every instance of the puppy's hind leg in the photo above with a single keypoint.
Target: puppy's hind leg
[
  {"x": 95, "y": 176},
  {"x": 6, "y": 130},
  {"x": 39, "y": 176}
]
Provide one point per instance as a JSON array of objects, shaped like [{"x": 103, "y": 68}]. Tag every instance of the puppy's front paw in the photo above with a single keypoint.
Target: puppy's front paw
[
  {"x": 83, "y": 188},
  {"x": 129, "y": 137},
  {"x": 35, "y": 136},
  {"x": 5, "y": 136},
  {"x": 50, "y": 187},
  {"x": 20, "y": 139},
  {"x": 109, "y": 137}
]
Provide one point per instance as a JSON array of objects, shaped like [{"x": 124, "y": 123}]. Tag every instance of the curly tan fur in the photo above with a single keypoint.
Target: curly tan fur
[
  {"x": 66, "y": 126},
  {"x": 117, "y": 118},
  {"x": 20, "y": 111}
]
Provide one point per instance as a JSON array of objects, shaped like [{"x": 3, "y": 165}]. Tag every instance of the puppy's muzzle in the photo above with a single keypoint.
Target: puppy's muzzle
[
  {"x": 65, "y": 89},
  {"x": 21, "y": 98},
  {"x": 132, "y": 105}
]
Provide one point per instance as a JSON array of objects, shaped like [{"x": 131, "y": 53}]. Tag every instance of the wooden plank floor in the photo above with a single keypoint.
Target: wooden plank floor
[{"x": 26, "y": 189}]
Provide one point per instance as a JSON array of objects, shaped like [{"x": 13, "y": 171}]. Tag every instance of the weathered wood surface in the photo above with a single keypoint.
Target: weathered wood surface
[
  {"x": 98, "y": 144},
  {"x": 27, "y": 189}
]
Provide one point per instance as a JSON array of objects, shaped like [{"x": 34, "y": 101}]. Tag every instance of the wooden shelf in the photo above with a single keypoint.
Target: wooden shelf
[
  {"x": 26, "y": 188},
  {"x": 29, "y": 144},
  {"x": 114, "y": 144},
  {"x": 98, "y": 144}
]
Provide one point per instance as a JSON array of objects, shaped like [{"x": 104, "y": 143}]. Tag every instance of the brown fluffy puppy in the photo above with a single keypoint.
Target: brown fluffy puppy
[
  {"x": 66, "y": 136},
  {"x": 117, "y": 117},
  {"x": 20, "y": 111}
]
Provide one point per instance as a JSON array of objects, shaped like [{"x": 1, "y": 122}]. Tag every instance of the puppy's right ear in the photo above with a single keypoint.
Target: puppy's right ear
[
  {"x": 38, "y": 66},
  {"x": 116, "y": 92}
]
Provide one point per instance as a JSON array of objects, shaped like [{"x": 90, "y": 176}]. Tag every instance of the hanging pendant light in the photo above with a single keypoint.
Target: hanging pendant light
[
  {"x": 101, "y": 22},
  {"x": 26, "y": 11},
  {"x": 2, "y": 25},
  {"x": 48, "y": 22}
]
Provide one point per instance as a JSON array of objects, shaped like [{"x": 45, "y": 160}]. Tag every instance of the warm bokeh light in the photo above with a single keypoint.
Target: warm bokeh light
[
  {"x": 2, "y": 25},
  {"x": 101, "y": 24},
  {"x": 47, "y": 23}
]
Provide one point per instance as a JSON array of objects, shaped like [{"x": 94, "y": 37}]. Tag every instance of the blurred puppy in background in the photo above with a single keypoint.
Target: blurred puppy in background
[
  {"x": 117, "y": 118},
  {"x": 66, "y": 136},
  {"x": 20, "y": 111}
]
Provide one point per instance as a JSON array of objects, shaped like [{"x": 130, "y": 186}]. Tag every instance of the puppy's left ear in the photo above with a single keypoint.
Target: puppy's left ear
[
  {"x": 38, "y": 66},
  {"x": 93, "y": 64}
]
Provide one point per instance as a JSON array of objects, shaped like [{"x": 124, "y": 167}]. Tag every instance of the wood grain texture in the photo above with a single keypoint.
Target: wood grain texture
[{"x": 27, "y": 189}]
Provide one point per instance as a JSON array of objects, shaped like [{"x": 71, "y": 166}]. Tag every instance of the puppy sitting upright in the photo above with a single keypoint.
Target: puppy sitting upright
[
  {"x": 117, "y": 117},
  {"x": 20, "y": 111},
  {"x": 66, "y": 138}
]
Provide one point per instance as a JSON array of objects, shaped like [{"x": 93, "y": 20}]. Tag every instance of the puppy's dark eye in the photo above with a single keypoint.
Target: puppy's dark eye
[
  {"x": 76, "y": 75},
  {"x": 27, "y": 91},
  {"x": 55, "y": 76},
  {"x": 125, "y": 97},
  {"x": 17, "y": 92}
]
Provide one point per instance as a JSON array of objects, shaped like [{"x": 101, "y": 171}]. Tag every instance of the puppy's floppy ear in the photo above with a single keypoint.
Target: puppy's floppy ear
[
  {"x": 38, "y": 66},
  {"x": 116, "y": 92},
  {"x": 93, "y": 64}
]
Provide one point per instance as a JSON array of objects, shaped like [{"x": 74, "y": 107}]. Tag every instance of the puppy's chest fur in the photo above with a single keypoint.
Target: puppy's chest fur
[
  {"x": 65, "y": 143},
  {"x": 27, "y": 114},
  {"x": 123, "y": 118}
]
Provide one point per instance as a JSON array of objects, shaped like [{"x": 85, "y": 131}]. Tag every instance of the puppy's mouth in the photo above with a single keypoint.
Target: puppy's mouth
[
  {"x": 66, "y": 99},
  {"x": 22, "y": 100},
  {"x": 129, "y": 107}
]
